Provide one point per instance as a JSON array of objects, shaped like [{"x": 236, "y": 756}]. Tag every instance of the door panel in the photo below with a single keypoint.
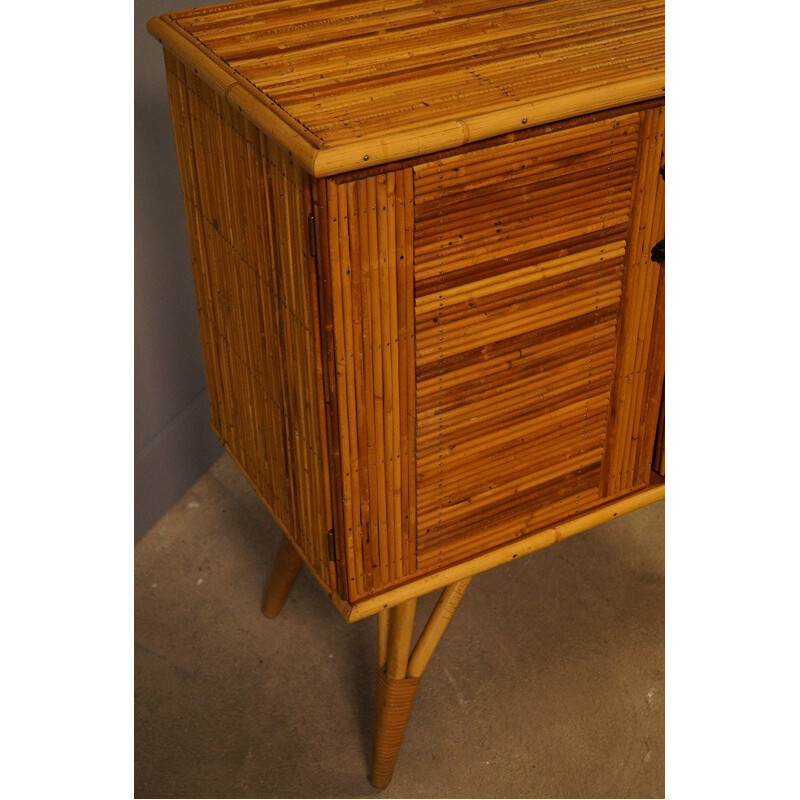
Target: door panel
[{"x": 523, "y": 273}]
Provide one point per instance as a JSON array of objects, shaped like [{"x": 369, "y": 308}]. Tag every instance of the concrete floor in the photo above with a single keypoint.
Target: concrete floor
[{"x": 548, "y": 683}]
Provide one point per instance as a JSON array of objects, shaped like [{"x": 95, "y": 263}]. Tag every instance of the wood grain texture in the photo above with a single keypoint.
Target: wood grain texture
[
  {"x": 247, "y": 203},
  {"x": 379, "y": 81}
]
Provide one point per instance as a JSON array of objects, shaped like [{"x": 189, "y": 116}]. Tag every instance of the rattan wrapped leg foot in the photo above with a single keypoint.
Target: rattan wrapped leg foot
[
  {"x": 399, "y": 673},
  {"x": 395, "y": 697},
  {"x": 285, "y": 570}
]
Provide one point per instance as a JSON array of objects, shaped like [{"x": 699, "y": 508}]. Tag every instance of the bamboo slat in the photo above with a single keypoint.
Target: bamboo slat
[
  {"x": 401, "y": 631},
  {"x": 366, "y": 81},
  {"x": 368, "y": 260},
  {"x": 640, "y": 354},
  {"x": 383, "y": 638},
  {"x": 435, "y": 627},
  {"x": 247, "y": 202}
]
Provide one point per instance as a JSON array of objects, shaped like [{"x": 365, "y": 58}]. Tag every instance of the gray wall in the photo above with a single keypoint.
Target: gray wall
[{"x": 173, "y": 442}]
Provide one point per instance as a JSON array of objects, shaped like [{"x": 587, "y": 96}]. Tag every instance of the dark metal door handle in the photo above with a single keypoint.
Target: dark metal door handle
[{"x": 657, "y": 253}]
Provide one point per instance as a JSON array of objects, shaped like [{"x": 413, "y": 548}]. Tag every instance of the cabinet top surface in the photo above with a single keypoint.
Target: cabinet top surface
[{"x": 344, "y": 83}]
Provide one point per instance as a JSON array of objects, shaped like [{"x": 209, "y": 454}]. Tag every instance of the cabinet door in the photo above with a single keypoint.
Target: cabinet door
[
  {"x": 539, "y": 331},
  {"x": 497, "y": 334}
]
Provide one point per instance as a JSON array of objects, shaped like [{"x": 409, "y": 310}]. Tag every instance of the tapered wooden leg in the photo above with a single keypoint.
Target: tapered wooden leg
[
  {"x": 399, "y": 675},
  {"x": 285, "y": 570}
]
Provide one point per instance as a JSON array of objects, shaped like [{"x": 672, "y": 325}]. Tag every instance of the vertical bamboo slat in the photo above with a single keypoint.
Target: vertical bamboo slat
[
  {"x": 640, "y": 353},
  {"x": 368, "y": 259},
  {"x": 247, "y": 202}
]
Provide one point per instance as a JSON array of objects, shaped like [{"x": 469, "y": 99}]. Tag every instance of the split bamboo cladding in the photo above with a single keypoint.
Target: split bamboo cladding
[
  {"x": 422, "y": 235},
  {"x": 247, "y": 203},
  {"x": 488, "y": 312}
]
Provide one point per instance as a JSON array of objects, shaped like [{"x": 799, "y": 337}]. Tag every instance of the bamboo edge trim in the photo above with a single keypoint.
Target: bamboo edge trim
[
  {"x": 502, "y": 555},
  {"x": 430, "y": 139},
  {"x": 228, "y": 84},
  {"x": 323, "y": 162}
]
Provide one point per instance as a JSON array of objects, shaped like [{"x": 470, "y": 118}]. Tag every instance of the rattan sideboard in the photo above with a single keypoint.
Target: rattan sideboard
[{"x": 427, "y": 241}]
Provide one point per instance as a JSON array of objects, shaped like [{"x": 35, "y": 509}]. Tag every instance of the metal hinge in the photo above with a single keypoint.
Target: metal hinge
[
  {"x": 312, "y": 236},
  {"x": 331, "y": 546}
]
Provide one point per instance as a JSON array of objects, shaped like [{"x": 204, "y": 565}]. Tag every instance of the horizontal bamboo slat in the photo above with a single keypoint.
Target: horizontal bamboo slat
[
  {"x": 247, "y": 202},
  {"x": 341, "y": 84},
  {"x": 519, "y": 267}
]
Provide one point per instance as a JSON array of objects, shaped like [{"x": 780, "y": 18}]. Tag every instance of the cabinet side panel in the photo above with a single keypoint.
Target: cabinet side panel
[
  {"x": 247, "y": 204},
  {"x": 640, "y": 353},
  {"x": 518, "y": 255},
  {"x": 368, "y": 259}
]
